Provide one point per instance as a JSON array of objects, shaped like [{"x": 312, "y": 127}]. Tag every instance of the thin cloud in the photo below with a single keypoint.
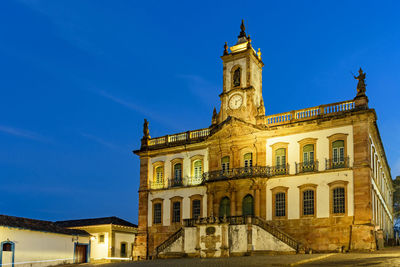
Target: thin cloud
[
  {"x": 100, "y": 141},
  {"x": 22, "y": 133},
  {"x": 139, "y": 109},
  {"x": 205, "y": 90}
]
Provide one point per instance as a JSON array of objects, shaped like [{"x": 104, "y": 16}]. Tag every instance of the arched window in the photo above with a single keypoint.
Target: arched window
[
  {"x": 178, "y": 172},
  {"x": 308, "y": 154},
  {"x": 159, "y": 175},
  {"x": 280, "y": 157},
  {"x": 248, "y": 206},
  {"x": 197, "y": 169},
  {"x": 248, "y": 160},
  {"x": 338, "y": 152},
  {"x": 308, "y": 202},
  {"x": 236, "y": 77},
  {"x": 225, "y": 164},
  {"x": 225, "y": 207}
]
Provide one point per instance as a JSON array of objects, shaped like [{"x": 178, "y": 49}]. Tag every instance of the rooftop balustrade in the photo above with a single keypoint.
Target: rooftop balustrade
[{"x": 271, "y": 120}]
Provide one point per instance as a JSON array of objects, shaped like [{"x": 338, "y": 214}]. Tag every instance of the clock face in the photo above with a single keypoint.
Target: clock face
[{"x": 235, "y": 102}]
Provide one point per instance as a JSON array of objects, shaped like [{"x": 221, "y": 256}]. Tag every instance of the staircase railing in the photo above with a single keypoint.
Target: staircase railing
[{"x": 169, "y": 241}]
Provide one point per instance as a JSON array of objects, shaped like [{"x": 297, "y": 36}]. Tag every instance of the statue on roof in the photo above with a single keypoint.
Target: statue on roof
[
  {"x": 361, "y": 83},
  {"x": 146, "y": 132}
]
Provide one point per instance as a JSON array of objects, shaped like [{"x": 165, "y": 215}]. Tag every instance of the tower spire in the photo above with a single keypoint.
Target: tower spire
[{"x": 242, "y": 30}]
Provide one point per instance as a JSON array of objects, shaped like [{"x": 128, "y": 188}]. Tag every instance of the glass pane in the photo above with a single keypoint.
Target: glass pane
[
  {"x": 196, "y": 208},
  {"x": 225, "y": 159},
  {"x": 308, "y": 202},
  {"x": 280, "y": 204},
  {"x": 308, "y": 148},
  {"x": 339, "y": 200},
  {"x": 280, "y": 152},
  {"x": 338, "y": 143},
  {"x": 248, "y": 156},
  {"x": 305, "y": 157}
]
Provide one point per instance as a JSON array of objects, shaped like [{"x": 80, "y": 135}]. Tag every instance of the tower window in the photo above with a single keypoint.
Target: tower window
[{"x": 236, "y": 77}]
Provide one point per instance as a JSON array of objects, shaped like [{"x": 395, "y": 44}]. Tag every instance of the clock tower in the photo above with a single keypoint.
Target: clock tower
[{"x": 241, "y": 96}]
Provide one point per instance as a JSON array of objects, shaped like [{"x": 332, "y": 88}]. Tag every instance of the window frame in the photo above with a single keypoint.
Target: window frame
[
  {"x": 196, "y": 197},
  {"x": 104, "y": 238},
  {"x": 222, "y": 164},
  {"x": 173, "y": 163},
  {"x": 250, "y": 165},
  {"x": 176, "y": 199},
  {"x": 277, "y": 146},
  {"x": 337, "y": 137},
  {"x": 302, "y": 189},
  {"x": 277, "y": 190},
  {"x": 192, "y": 171},
  {"x": 304, "y": 142},
  {"x": 233, "y": 69},
  {"x": 229, "y": 206},
  {"x": 154, "y": 184},
  {"x": 155, "y": 202},
  {"x": 332, "y": 186},
  {"x": 126, "y": 250}
]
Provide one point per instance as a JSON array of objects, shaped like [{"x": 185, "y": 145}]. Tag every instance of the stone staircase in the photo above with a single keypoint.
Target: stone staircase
[{"x": 246, "y": 235}]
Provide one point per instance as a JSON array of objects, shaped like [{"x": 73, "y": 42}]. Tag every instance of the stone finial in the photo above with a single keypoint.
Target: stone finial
[
  {"x": 242, "y": 30},
  {"x": 248, "y": 42},
  {"x": 214, "y": 117},
  {"x": 226, "y": 49}
]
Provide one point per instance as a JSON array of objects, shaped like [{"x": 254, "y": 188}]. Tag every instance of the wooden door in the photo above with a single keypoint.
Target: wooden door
[{"x": 81, "y": 253}]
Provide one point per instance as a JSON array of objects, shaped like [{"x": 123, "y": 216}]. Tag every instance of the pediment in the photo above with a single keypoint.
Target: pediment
[{"x": 233, "y": 127}]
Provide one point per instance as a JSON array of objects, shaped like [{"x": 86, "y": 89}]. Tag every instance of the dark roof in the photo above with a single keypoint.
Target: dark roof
[
  {"x": 38, "y": 225},
  {"x": 95, "y": 221}
]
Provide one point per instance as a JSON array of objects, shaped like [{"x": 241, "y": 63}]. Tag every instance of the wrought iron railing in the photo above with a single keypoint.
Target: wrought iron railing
[
  {"x": 176, "y": 182},
  {"x": 280, "y": 169},
  {"x": 255, "y": 171},
  {"x": 169, "y": 241},
  {"x": 337, "y": 163},
  {"x": 310, "y": 166}
]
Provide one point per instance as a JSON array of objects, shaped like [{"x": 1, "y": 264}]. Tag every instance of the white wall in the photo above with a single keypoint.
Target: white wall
[
  {"x": 186, "y": 156},
  {"x": 320, "y": 179},
  {"x": 185, "y": 193},
  {"x": 99, "y": 250},
  {"x": 39, "y": 249},
  {"x": 128, "y": 238},
  {"x": 321, "y": 149}
]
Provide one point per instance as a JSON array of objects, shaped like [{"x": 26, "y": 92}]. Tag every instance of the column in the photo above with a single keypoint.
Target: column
[
  {"x": 257, "y": 201},
  {"x": 233, "y": 202}
]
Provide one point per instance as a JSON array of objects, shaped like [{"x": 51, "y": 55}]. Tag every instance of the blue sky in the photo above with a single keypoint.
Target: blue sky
[{"x": 78, "y": 77}]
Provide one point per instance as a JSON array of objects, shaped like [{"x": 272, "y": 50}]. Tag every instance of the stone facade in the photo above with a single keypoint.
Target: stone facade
[{"x": 319, "y": 174}]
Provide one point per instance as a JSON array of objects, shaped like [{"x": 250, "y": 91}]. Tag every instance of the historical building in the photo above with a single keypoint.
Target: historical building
[
  {"x": 35, "y": 243},
  {"x": 112, "y": 238},
  {"x": 315, "y": 178}
]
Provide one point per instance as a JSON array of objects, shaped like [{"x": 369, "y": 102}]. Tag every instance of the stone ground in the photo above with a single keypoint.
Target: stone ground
[{"x": 388, "y": 257}]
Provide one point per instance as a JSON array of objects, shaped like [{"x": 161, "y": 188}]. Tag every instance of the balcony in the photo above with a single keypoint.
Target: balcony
[
  {"x": 331, "y": 164},
  {"x": 303, "y": 167},
  {"x": 174, "y": 183},
  {"x": 246, "y": 172}
]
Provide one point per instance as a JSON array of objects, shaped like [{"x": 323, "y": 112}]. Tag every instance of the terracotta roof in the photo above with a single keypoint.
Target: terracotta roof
[
  {"x": 95, "y": 221},
  {"x": 38, "y": 225}
]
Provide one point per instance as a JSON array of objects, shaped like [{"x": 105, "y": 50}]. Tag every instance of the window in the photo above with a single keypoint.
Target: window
[
  {"x": 176, "y": 211},
  {"x": 280, "y": 158},
  {"x": 339, "y": 200},
  {"x": 7, "y": 247},
  {"x": 178, "y": 172},
  {"x": 225, "y": 207},
  {"x": 280, "y": 204},
  {"x": 225, "y": 164},
  {"x": 101, "y": 238},
  {"x": 338, "y": 151},
  {"x": 197, "y": 165},
  {"x": 157, "y": 215},
  {"x": 123, "y": 250},
  {"x": 236, "y": 77},
  {"x": 308, "y": 202},
  {"x": 308, "y": 154},
  {"x": 196, "y": 208},
  {"x": 159, "y": 175},
  {"x": 248, "y": 205},
  {"x": 248, "y": 160}
]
